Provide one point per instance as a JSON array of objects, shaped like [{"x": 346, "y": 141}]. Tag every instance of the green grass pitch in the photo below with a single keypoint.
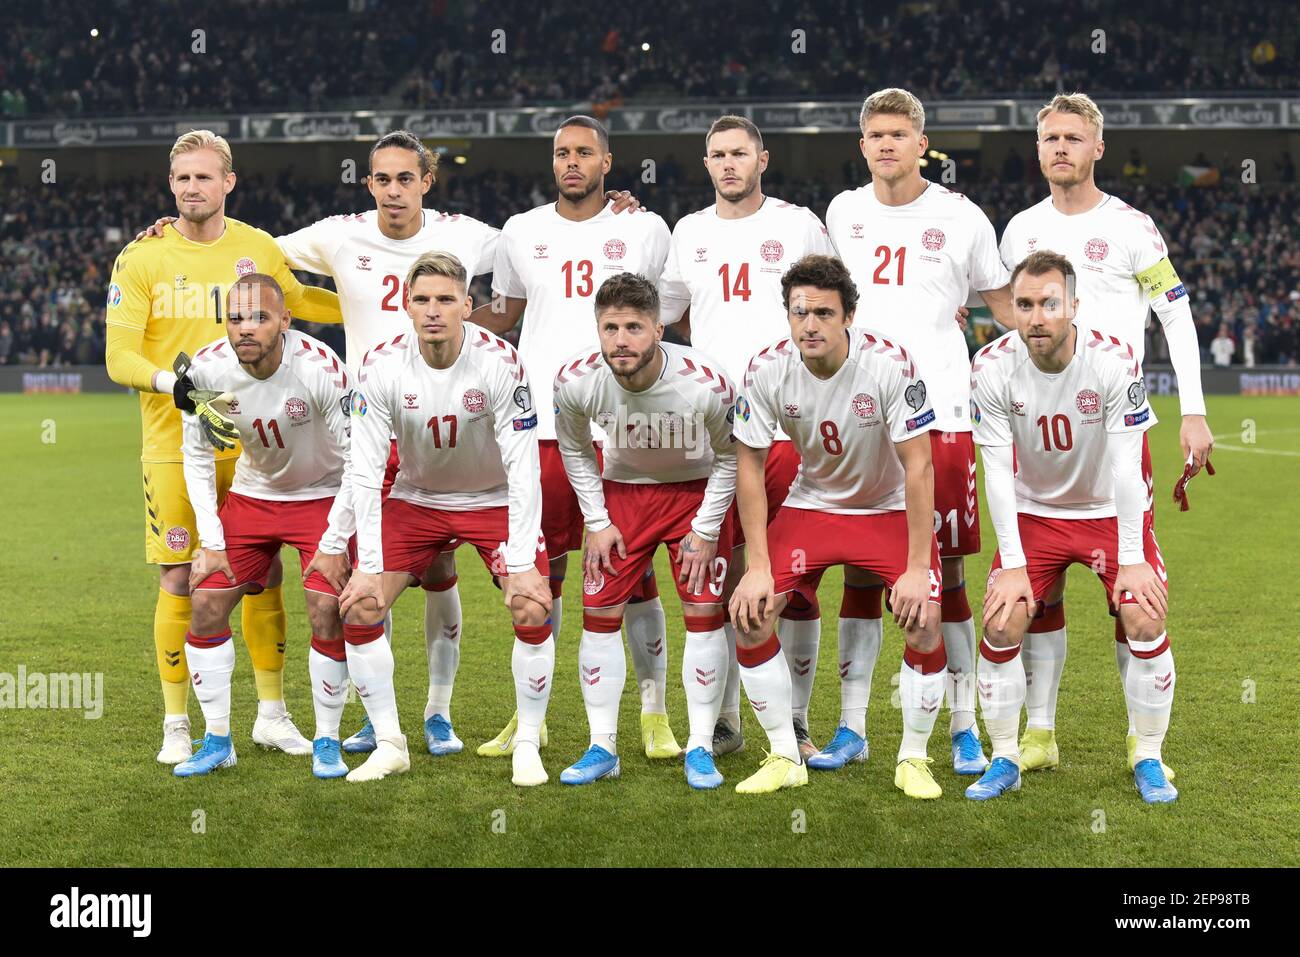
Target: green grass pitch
[{"x": 79, "y": 598}]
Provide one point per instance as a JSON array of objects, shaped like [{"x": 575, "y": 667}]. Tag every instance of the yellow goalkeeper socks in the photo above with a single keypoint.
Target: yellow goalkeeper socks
[
  {"x": 264, "y": 629},
  {"x": 171, "y": 620}
]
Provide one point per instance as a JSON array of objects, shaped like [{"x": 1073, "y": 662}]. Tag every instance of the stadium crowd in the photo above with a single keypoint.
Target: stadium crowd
[
  {"x": 441, "y": 54},
  {"x": 1236, "y": 247}
]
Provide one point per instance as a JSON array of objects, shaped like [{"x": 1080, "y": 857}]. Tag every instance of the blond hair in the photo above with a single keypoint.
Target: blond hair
[
  {"x": 204, "y": 140},
  {"x": 894, "y": 102},
  {"x": 437, "y": 264},
  {"x": 1080, "y": 104}
]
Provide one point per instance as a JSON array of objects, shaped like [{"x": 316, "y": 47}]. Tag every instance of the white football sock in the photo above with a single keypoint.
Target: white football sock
[
  {"x": 921, "y": 696},
  {"x": 271, "y": 708},
  {"x": 729, "y": 711},
  {"x": 329, "y": 689},
  {"x": 1149, "y": 690},
  {"x": 859, "y": 648},
  {"x": 1044, "y": 655},
  {"x": 704, "y": 669},
  {"x": 388, "y": 627},
  {"x": 800, "y": 641},
  {"x": 959, "y": 685},
  {"x": 442, "y": 621},
  {"x": 602, "y": 670},
  {"x": 1002, "y": 694},
  {"x": 768, "y": 688},
  {"x": 533, "y": 667},
  {"x": 647, "y": 637},
  {"x": 371, "y": 666},
  {"x": 210, "y": 670},
  {"x": 1122, "y": 658},
  {"x": 557, "y": 609}
]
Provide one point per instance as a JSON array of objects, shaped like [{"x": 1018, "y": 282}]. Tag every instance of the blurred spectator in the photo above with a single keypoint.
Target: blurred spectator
[
  {"x": 1222, "y": 348},
  {"x": 290, "y": 54},
  {"x": 6, "y": 341}
]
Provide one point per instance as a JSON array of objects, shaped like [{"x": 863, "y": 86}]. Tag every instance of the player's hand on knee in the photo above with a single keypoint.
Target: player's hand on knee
[
  {"x": 910, "y": 598},
  {"x": 1142, "y": 582},
  {"x": 600, "y": 546},
  {"x": 1008, "y": 587},
  {"x": 364, "y": 592},
  {"x": 207, "y": 562},
  {"x": 335, "y": 569},
  {"x": 752, "y": 599},
  {"x": 696, "y": 556},
  {"x": 528, "y": 584}
]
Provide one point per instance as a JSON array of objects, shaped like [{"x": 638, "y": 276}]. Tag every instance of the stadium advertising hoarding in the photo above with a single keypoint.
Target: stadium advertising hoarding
[
  {"x": 690, "y": 118},
  {"x": 1160, "y": 380}
]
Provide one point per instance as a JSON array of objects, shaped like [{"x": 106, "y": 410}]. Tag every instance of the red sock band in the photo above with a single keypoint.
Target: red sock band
[
  {"x": 1159, "y": 649},
  {"x": 330, "y": 648},
  {"x": 800, "y": 608},
  {"x": 862, "y": 601},
  {"x": 927, "y": 664},
  {"x": 753, "y": 657},
  {"x": 703, "y": 623},
  {"x": 1048, "y": 618},
  {"x": 207, "y": 641},
  {"x": 954, "y": 605},
  {"x": 600, "y": 625},
  {"x": 533, "y": 634},
  {"x": 362, "y": 634},
  {"x": 557, "y": 587},
  {"x": 449, "y": 584},
  {"x": 997, "y": 655}
]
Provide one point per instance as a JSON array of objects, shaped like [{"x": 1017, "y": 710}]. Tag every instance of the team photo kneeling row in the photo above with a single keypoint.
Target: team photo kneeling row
[{"x": 824, "y": 454}]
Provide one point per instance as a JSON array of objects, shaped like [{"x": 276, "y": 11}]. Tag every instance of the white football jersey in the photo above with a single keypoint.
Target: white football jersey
[
  {"x": 293, "y": 428},
  {"x": 844, "y": 427},
  {"x": 728, "y": 271},
  {"x": 1058, "y": 423},
  {"x": 466, "y": 438},
  {"x": 678, "y": 430},
  {"x": 369, "y": 269},
  {"x": 1109, "y": 246},
  {"x": 914, "y": 265},
  {"x": 557, "y": 265}
]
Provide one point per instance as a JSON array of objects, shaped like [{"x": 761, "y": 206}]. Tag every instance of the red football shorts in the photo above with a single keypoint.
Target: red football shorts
[
  {"x": 414, "y": 534},
  {"x": 956, "y": 502},
  {"x": 1051, "y": 545},
  {"x": 562, "y": 521},
  {"x": 802, "y": 544},
  {"x": 257, "y": 528},
  {"x": 648, "y": 516}
]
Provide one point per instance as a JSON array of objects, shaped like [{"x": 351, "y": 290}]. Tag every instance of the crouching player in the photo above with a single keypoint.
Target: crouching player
[
  {"x": 1071, "y": 403},
  {"x": 457, "y": 399},
  {"x": 858, "y": 416},
  {"x": 288, "y": 396},
  {"x": 668, "y": 477}
]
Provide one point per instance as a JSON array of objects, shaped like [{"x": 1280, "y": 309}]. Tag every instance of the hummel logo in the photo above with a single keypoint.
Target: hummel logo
[
  {"x": 1164, "y": 681},
  {"x": 538, "y": 685},
  {"x": 930, "y": 706},
  {"x": 173, "y": 657},
  {"x": 591, "y": 675},
  {"x": 197, "y": 680},
  {"x": 361, "y": 689},
  {"x": 329, "y": 689},
  {"x": 657, "y": 648},
  {"x": 758, "y": 705},
  {"x": 802, "y": 666},
  {"x": 706, "y": 678},
  {"x": 844, "y": 668}
]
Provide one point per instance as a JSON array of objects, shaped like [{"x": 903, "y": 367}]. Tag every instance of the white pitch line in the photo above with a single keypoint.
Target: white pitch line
[{"x": 1242, "y": 448}]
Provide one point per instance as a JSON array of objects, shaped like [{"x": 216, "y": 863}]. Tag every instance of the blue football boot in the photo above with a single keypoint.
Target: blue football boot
[
  {"x": 597, "y": 763},
  {"x": 439, "y": 738},
  {"x": 216, "y": 752},
  {"x": 1152, "y": 784},
  {"x": 847, "y": 745},
  {"x": 967, "y": 755},
  {"x": 701, "y": 773},
  {"x": 326, "y": 759},
  {"x": 1002, "y": 776},
  {"x": 363, "y": 742}
]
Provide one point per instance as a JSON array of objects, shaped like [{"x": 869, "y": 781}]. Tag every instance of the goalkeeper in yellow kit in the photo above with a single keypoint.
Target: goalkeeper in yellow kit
[{"x": 167, "y": 297}]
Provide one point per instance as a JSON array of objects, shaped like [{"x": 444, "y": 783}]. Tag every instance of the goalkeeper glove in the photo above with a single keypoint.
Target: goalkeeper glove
[{"x": 219, "y": 430}]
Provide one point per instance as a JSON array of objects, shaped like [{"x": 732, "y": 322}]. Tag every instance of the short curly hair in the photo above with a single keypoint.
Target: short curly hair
[
  {"x": 821, "y": 272},
  {"x": 629, "y": 290}
]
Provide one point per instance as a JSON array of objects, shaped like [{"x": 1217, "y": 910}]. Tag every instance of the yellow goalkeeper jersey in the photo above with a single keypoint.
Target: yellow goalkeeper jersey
[{"x": 168, "y": 296}]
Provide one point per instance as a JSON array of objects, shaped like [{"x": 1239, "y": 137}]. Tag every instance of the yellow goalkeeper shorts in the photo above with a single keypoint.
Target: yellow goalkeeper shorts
[{"x": 171, "y": 535}]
